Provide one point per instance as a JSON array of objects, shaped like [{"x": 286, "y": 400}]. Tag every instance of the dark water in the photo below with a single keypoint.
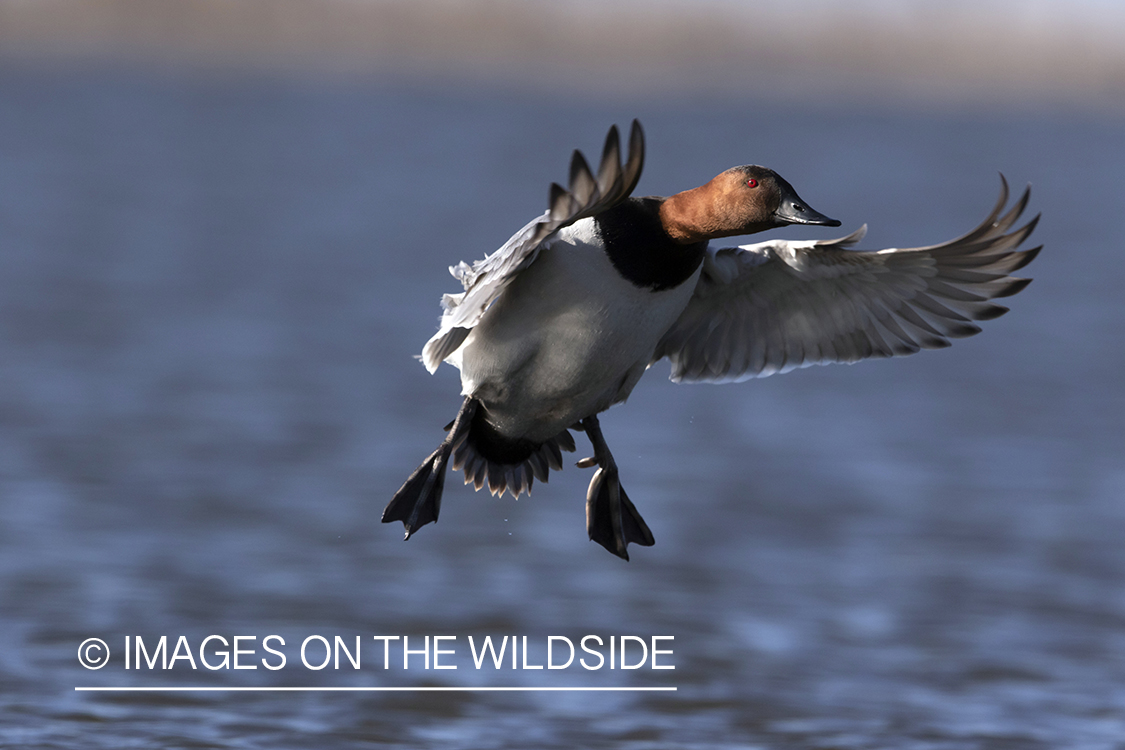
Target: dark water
[{"x": 210, "y": 296}]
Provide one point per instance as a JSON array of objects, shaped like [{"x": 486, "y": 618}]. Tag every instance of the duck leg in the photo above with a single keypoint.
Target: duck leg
[
  {"x": 611, "y": 519},
  {"x": 418, "y": 501}
]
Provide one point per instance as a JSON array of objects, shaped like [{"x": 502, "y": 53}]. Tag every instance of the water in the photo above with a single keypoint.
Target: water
[{"x": 211, "y": 294}]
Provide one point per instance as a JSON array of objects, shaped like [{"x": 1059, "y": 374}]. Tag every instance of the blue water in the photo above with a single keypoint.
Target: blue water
[{"x": 211, "y": 292}]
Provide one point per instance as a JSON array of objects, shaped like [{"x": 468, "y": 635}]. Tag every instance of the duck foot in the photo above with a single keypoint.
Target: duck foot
[
  {"x": 418, "y": 501},
  {"x": 611, "y": 518}
]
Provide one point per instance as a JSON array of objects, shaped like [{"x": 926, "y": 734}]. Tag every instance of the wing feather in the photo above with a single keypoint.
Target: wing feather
[
  {"x": 586, "y": 195},
  {"x": 777, "y": 305}
]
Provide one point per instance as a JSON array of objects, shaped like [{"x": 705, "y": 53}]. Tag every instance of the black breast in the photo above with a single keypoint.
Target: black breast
[{"x": 639, "y": 248}]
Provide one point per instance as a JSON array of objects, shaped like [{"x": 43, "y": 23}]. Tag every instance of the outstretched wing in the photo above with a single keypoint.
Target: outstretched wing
[
  {"x": 486, "y": 279},
  {"x": 775, "y": 306}
]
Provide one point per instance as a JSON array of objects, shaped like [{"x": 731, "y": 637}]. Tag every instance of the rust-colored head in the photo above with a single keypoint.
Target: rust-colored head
[{"x": 741, "y": 200}]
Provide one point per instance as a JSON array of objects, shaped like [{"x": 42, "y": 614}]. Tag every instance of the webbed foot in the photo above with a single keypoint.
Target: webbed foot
[
  {"x": 418, "y": 501},
  {"x": 611, "y": 518}
]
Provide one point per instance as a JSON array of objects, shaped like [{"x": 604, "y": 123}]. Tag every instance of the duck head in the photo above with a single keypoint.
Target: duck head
[{"x": 741, "y": 200}]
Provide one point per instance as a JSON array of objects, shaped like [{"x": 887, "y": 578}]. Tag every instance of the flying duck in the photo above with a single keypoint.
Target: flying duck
[{"x": 560, "y": 323}]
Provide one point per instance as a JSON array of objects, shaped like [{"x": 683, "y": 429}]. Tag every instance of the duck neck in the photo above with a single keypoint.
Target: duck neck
[
  {"x": 641, "y": 250},
  {"x": 685, "y": 218}
]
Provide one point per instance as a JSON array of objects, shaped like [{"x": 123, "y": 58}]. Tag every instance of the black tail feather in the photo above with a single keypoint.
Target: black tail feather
[{"x": 490, "y": 459}]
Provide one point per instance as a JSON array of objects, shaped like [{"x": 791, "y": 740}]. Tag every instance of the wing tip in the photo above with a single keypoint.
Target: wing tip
[{"x": 1015, "y": 286}]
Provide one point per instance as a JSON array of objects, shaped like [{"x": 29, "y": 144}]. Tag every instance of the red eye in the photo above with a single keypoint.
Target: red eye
[{"x": 751, "y": 182}]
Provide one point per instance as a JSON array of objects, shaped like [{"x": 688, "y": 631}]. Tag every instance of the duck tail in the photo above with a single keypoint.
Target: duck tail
[{"x": 491, "y": 460}]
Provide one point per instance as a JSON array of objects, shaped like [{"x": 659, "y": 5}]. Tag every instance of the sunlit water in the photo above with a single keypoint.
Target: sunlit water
[{"x": 210, "y": 296}]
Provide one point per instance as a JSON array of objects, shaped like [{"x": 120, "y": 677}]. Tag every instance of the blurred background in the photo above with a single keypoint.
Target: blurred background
[{"x": 224, "y": 230}]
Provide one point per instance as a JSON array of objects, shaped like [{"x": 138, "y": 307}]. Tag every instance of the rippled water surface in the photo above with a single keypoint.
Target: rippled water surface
[{"x": 211, "y": 292}]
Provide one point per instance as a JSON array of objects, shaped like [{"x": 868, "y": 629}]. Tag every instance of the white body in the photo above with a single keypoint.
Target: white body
[{"x": 568, "y": 338}]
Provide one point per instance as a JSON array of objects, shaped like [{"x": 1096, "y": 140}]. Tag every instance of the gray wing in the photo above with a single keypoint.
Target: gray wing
[
  {"x": 776, "y": 306},
  {"x": 486, "y": 279}
]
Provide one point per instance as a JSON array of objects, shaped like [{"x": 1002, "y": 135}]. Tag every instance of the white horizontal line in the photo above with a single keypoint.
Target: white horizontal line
[{"x": 373, "y": 689}]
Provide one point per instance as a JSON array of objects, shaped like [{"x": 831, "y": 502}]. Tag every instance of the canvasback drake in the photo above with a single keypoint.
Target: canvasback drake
[{"x": 560, "y": 323}]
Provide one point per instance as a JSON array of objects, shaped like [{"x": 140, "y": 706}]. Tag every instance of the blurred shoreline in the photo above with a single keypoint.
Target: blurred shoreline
[{"x": 956, "y": 53}]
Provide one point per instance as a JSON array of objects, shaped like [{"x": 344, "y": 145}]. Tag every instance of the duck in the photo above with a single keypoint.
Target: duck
[{"x": 560, "y": 323}]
